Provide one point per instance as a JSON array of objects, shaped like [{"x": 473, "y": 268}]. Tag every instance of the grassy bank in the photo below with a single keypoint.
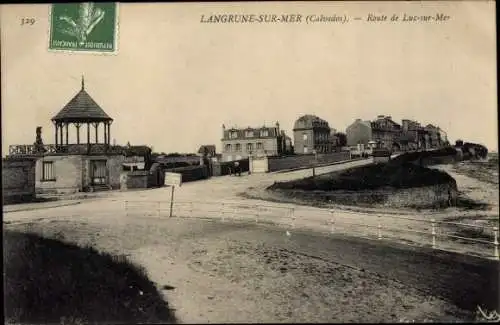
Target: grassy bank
[
  {"x": 48, "y": 281},
  {"x": 370, "y": 177}
]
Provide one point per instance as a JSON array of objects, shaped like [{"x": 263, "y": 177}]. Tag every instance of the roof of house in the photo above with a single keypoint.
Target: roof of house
[
  {"x": 309, "y": 121},
  {"x": 209, "y": 148},
  {"x": 360, "y": 121},
  {"x": 272, "y": 132},
  {"x": 82, "y": 108},
  {"x": 137, "y": 151}
]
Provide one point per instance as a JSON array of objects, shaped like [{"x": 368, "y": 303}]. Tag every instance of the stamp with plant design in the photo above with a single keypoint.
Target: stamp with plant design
[{"x": 85, "y": 27}]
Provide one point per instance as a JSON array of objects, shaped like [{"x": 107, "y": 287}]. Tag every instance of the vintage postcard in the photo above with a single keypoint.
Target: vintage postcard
[{"x": 250, "y": 162}]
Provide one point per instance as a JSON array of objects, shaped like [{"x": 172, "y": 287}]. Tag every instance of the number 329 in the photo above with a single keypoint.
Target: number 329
[{"x": 27, "y": 21}]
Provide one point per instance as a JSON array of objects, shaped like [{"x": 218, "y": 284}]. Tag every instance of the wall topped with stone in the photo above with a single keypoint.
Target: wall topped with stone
[{"x": 18, "y": 179}]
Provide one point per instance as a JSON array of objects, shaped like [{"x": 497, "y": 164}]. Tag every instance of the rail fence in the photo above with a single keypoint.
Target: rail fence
[{"x": 436, "y": 234}]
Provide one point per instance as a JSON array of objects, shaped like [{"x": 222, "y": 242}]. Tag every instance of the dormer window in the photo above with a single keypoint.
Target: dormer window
[
  {"x": 264, "y": 133},
  {"x": 249, "y": 134},
  {"x": 233, "y": 134}
]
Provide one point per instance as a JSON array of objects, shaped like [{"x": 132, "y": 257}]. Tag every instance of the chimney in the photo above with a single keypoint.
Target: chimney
[
  {"x": 277, "y": 127},
  {"x": 223, "y": 130},
  {"x": 388, "y": 117},
  {"x": 380, "y": 116}
]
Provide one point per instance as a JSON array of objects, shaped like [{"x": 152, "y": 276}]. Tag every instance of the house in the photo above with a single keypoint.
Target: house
[
  {"x": 359, "y": 133},
  {"x": 383, "y": 132},
  {"x": 312, "y": 134},
  {"x": 137, "y": 157},
  {"x": 435, "y": 140},
  {"x": 241, "y": 143},
  {"x": 89, "y": 165},
  {"x": 386, "y": 133}
]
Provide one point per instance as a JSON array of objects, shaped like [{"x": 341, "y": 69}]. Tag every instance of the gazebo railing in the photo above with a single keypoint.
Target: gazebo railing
[{"x": 93, "y": 148}]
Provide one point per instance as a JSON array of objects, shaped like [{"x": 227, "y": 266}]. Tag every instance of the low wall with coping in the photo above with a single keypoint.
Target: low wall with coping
[
  {"x": 298, "y": 161},
  {"x": 134, "y": 179},
  {"x": 191, "y": 173},
  {"x": 224, "y": 168}
]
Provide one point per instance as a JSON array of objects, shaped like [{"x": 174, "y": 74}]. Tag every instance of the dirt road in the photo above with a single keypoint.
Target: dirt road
[
  {"x": 237, "y": 272},
  {"x": 227, "y": 272}
]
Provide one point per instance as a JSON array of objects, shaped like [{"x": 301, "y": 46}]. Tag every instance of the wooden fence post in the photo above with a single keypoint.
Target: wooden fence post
[
  {"x": 495, "y": 242},
  {"x": 433, "y": 223},
  {"x": 331, "y": 222},
  {"x": 379, "y": 228}
]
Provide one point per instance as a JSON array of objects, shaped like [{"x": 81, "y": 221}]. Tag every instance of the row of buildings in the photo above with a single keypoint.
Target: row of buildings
[
  {"x": 384, "y": 132},
  {"x": 312, "y": 134}
]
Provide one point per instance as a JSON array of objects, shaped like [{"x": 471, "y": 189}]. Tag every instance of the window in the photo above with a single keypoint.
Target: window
[
  {"x": 233, "y": 134},
  {"x": 238, "y": 147},
  {"x": 259, "y": 146},
  {"x": 249, "y": 147},
  {"x": 228, "y": 147},
  {"x": 304, "y": 136},
  {"x": 264, "y": 133},
  {"x": 306, "y": 150},
  {"x": 48, "y": 171},
  {"x": 249, "y": 134}
]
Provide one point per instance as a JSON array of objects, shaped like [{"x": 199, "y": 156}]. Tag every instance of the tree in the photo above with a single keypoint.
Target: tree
[{"x": 341, "y": 139}]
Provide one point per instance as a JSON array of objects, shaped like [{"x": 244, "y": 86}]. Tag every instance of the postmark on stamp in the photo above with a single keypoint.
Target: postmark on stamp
[{"x": 84, "y": 27}]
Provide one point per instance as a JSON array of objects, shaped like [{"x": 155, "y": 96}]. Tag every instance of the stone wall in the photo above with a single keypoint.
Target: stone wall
[
  {"x": 67, "y": 171},
  {"x": 18, "y": 179},
  {"x": 298, "y": 161},
  {"x": 223, "y": 168},
  {"x": 191, "y": 173},
  {"x": 134, "y": 179}
]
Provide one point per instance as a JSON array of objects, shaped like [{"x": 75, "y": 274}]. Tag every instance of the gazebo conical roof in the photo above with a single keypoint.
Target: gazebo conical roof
[{"x": 82, "y": 108}]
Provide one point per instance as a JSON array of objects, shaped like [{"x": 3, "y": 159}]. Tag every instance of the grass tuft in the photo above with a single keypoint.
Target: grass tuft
[{"x": 47, "y": 281}]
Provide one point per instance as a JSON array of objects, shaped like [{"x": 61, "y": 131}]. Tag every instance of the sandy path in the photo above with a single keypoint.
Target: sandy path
[{"x": 247, "y": 273}]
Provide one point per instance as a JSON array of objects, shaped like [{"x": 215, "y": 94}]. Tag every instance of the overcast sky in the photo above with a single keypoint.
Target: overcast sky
[{"x": 175, "y": 81}]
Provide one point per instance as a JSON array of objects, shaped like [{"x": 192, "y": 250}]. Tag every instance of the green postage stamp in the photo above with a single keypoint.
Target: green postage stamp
[{"x": 84, "y": 27}]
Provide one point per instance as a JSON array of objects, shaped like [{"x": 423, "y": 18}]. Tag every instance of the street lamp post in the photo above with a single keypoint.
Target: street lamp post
[{"x": 315, "y": 162}]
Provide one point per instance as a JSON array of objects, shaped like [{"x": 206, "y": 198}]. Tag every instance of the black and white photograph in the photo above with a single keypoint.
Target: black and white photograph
[{"x": 250, "y": 162}]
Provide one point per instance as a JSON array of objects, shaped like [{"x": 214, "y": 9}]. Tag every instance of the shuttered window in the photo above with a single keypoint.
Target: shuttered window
[{"x": 48, "y": 171}]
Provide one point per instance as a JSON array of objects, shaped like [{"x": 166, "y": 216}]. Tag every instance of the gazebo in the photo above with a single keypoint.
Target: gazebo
[{"x": 81, "y": 110}]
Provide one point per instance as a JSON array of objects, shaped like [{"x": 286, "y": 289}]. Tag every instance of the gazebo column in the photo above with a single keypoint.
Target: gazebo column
[
  {"x": 109, "y": 132},
  {"x": 61, "y": 132},
  {"x": 77, "y": 125},
  {"x": 67, "y": 137},
  {"x": 96, "y": 125},
  {"x": 105, "y": 133},
  {"x": 88, "y": 137},
  {"x": 56, "y": 128}
]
